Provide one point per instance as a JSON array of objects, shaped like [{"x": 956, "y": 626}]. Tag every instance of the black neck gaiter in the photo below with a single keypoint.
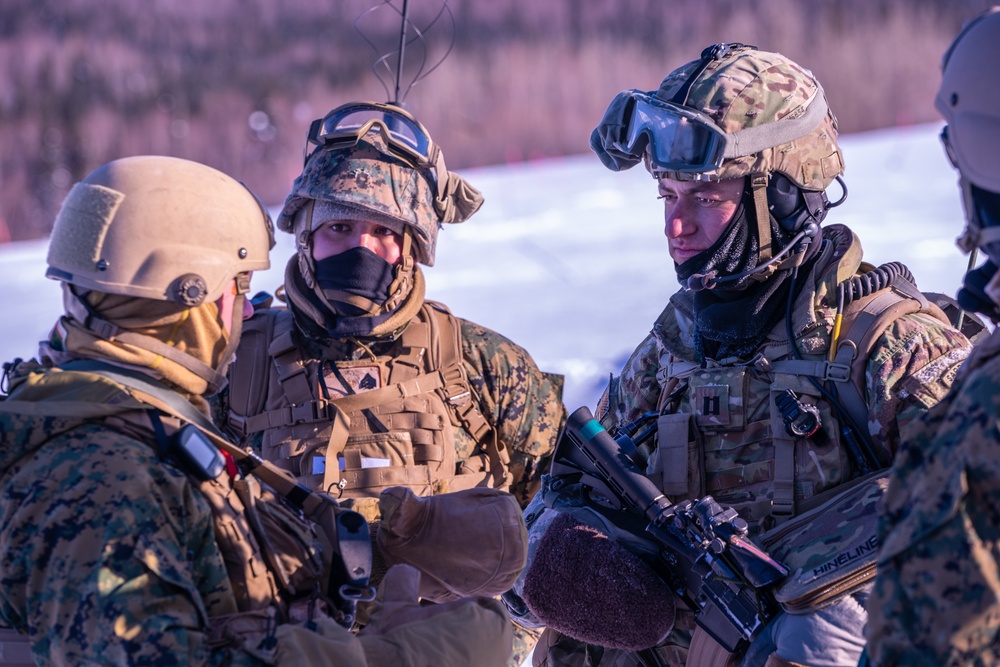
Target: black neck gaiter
[
  {"x": 732, "y": 319},
  {"x": 357, "y": 271},
  {"x": 972, "y": 296}
]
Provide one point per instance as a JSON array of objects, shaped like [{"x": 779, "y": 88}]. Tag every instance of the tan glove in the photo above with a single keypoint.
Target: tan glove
[
  {"x": 471, "y": 542},
  {"x": 404, "y": 633}
]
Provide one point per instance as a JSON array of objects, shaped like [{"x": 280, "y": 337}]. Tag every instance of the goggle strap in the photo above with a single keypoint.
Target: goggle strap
[{"x": 761, "y": 137}]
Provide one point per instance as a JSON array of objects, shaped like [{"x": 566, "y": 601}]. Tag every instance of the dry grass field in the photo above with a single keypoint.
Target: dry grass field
[{"x": 235, "y": 83}]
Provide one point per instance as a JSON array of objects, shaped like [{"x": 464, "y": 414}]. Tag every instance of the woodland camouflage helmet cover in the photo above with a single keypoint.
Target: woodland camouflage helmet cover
[
  {"x": 371, "y": 181},
  {"x": 159, "y": 228},
  {"x": 772, "y": 111}
]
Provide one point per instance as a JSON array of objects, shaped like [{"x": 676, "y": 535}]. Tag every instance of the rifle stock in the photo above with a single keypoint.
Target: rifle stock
[{"x": 705, "y": 555}]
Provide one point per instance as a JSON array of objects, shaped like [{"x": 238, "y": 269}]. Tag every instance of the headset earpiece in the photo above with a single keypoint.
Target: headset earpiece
[{"x": 795, "y": 209}]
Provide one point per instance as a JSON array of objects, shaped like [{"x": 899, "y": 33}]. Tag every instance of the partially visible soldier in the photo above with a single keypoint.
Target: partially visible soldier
[
  {"x": 127, "y": 533},
  {"x": 362, "y": 383},
  {"x": 937, "y": 596},
  {"x": 775, "y": 382}
]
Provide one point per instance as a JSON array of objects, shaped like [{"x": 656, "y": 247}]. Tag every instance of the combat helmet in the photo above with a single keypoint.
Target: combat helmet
[
  {"x": 735, "y": 112},
  {"x": 377, "y": 162},
  {"x": 970, "y": 104},
  {"x": 159, "y": 230}
]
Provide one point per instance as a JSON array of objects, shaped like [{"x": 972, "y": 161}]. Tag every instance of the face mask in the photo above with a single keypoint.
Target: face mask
[{"x": 354, "y": 273}]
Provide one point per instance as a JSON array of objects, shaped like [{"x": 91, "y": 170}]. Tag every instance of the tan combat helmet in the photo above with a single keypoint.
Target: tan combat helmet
[
  {"x": 159, "y": 228},
  {"x": 144, "y": 247},
  {"x": 969, "y": 100}
]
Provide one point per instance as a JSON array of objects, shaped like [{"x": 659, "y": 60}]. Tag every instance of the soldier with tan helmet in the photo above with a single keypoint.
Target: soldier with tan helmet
[
  {"x": 362, "y": 383},
  {"x": 774, "y": 385},
  {"x": 131, "y": 531},
  {"x": 936, "y": 599}
]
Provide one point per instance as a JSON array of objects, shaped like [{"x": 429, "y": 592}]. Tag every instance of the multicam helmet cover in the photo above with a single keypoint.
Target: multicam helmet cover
[
  {"x": 734, "y": 112},
  {"x": 748, "y": 88}
]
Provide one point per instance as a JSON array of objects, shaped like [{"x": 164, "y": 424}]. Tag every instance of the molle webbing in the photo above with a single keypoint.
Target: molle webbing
[
  {"x": 865, "y": 320},
  {"x": 426, "y": 361},
  {"x": 451, "y": 379}
]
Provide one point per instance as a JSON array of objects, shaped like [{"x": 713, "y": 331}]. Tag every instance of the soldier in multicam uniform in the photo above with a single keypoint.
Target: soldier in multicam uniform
[
  {"x": 126, "y": 535},
  {"x": 362, "y": 383},
  {"x": 742, "y": 146},
  {"x": 936, "y": 599}
]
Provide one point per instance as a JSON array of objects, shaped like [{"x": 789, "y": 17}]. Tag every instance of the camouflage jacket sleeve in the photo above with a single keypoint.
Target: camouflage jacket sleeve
[
  {"x": 109, "y": 557},
  {"x": 636, "y": 391},
  {"x": 520, "y": 401},
  {"x": 936, "y": 596},
  {"x": 910, "y": 369}
]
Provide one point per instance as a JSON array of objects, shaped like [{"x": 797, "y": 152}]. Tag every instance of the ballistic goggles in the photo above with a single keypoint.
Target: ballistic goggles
[
  {"x": 681, "y": 139},
  {"x": 346, "y": 125}
]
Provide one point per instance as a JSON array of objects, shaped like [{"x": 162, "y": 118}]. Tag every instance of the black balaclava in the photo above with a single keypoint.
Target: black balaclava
[
  {"x": 338, "y": 279},
  {"x": 355, "y": 272},
  {"x": 972, "y": 296},
  {"x": 732, "y": 319}
]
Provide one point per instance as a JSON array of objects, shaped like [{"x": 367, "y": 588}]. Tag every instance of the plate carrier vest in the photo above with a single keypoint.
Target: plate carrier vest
[
  {"x": 413, "y": 419},
  {"x": 677, "y": 462}
]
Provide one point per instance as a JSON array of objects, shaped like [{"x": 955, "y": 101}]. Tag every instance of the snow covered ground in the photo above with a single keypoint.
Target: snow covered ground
[{"x": 568, "y": 259}]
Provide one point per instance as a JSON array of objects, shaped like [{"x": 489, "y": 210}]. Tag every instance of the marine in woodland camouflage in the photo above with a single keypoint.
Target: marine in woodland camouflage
[
  {"x": 91, "y": 519},
  {"x": 936, "y": 593}
]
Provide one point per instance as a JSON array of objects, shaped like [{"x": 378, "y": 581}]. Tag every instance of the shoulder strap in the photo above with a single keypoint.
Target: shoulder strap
[
  {"x": 248, "y": 374},
  {"x": 865, "y": 320},
  {"x": 147, "y": 390},
  {"x": 457, "y": 392}
]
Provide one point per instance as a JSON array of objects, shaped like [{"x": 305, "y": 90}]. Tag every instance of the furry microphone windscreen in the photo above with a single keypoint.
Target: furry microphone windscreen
[{"x": 587, "y": 586}]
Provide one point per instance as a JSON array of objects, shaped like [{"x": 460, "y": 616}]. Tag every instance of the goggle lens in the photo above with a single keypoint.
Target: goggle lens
[
  {"x": 678, "y": 138},
  {"x": 349, "y": 123}
]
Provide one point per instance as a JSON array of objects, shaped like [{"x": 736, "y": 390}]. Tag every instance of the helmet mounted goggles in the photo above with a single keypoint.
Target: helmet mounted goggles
[
  {"x": 677, "y": 138},
  {"x": 344, "y": 126},
  {"x": 680, "y": 139}
]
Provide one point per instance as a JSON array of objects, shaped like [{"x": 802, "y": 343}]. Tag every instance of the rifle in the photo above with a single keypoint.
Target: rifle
[{"x": 704, "y": 553}]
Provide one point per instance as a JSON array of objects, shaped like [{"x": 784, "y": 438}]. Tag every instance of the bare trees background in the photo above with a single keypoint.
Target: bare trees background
[{"x": 235, "y": 83}]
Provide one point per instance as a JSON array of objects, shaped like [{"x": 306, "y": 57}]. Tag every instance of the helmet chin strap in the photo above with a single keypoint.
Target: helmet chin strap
[
  {"x": 403, "y": 280},
  {"x": 710, "y": 280},
  {"x": 792, "y": 254},
  {"x": 758, "y": 186},
  {"x": 975, "y": 235},
  {"x": 214, "y": 377}
]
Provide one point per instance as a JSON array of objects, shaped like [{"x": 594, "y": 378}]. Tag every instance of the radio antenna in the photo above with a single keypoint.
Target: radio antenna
[
  {"x": 405, "y": 18},
  {"x": 382, "y": 69}
]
